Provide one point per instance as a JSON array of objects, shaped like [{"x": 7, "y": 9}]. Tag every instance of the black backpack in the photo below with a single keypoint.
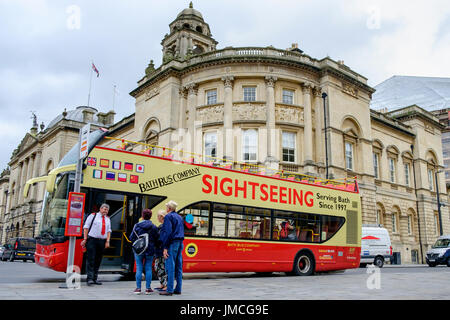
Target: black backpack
[{"x": 141, "y": 244}]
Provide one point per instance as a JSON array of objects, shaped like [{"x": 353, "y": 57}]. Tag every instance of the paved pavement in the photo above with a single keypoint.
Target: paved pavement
[{"x": 27, "y": 281}]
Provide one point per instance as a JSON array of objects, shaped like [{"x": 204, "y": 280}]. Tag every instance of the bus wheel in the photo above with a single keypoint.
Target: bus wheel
[{"x": 304, "y": 264}]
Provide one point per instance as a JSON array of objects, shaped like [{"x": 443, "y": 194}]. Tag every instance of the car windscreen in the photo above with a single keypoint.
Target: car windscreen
[
  {"x": 442, "y": 243},
  {"x": 26, "y": 244}
]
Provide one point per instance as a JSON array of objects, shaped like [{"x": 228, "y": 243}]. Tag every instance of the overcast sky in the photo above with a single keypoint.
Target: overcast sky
[{"x": 46, "y": 46}]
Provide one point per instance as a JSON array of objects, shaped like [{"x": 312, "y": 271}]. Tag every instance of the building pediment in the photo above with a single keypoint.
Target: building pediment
[{"x": 27, "y": 141}]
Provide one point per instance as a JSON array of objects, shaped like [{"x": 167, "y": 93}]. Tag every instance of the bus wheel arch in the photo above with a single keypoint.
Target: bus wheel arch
[{"x": 304, "y": 263}]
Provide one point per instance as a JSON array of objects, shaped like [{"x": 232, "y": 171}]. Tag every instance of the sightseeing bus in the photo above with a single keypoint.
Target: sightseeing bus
[{"x": 238, "y": 217}]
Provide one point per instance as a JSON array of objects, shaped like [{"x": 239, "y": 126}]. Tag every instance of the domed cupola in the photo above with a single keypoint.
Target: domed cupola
[{"x": 189, "y": 35}]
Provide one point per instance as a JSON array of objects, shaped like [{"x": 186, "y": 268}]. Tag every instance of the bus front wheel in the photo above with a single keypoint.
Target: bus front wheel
[{"x": 304, "y": 264}]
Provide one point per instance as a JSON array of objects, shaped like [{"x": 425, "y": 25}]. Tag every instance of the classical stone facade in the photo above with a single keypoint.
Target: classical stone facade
[
  {"x": 265, "y": 106},
  {"x": 39, "y": 152}
]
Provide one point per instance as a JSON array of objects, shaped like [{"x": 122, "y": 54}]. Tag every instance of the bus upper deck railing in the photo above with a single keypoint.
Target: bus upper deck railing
[{"x": 346, "y": 184}]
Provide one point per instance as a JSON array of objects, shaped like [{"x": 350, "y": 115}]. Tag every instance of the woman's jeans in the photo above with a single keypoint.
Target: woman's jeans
[
  {"x": 143, "y": 261},
  {"x": 174, "y": 265}
]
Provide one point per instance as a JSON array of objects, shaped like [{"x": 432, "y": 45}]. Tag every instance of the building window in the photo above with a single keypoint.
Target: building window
[
  {"x": 210, "y": 146},
  {"x": 288, "y": 145},
  {"x": 436, "y": 222},
  {"x": 392, "y": 170},
  {"x": 349, "y": 156},
  {"x": 407, "y": 174},
  {"x": 211, "y": 96},
  {"x": 376, "y": 166},
  {"x": 249, "y": 93},
  {"x": 288, "y": 96},
  {"x": 409, "y": 224},
  {"x": 378, "y": 217},
  {"x": 430, "y": 179},
  {"x": 249, "y": 145},
  {"x": 394, "y": 222}
]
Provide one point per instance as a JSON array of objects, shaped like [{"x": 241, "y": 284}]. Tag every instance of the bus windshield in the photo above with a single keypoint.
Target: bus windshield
[{"x": 53, "y": 218}]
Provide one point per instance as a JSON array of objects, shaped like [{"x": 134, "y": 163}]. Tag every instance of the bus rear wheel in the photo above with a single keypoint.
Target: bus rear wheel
[{"x": 304, "y": 264}]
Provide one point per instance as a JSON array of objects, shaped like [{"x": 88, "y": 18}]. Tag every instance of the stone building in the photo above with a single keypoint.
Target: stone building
[
  {"x": 286, "y": 111},
  {"x": 38, "y": 153},
  {"x": 265, "y": 106}
]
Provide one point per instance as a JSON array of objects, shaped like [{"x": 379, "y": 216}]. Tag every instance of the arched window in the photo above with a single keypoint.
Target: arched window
[
  {"x": 351, "y": 133},
  {"x": 379, "y": 215},
  {"x": 198, "y": 49},
  {"x": 395, "y": 220},
  {"x": 151, "y": 134},
  {"x": 199, "y": 29}
]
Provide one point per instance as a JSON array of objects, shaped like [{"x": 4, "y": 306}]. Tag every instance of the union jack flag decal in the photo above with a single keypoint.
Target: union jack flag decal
[{"x": 91, "y": 161}]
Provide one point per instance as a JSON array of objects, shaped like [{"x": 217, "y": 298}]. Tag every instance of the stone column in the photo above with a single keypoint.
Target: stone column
[
  {"x": 191, "y": 111},
  {"x": 30, "y": 174},
  {"x": 271, "y": 159},
  {"x": 228, "y": 118},
  {"x": 23, "y": 179},
  {"x": 307, "y": 134},
  {"x": 319, "y": 139}
]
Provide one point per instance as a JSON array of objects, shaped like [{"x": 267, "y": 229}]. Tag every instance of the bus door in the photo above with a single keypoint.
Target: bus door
[{"x": 122, "y": 212}]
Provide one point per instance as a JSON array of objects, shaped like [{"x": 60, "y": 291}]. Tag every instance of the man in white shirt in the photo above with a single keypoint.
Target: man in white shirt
[{"x": 97, "y": 233}]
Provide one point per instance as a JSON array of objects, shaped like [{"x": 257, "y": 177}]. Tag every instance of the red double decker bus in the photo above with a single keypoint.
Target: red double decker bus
[{"x": 237, "y": 218}]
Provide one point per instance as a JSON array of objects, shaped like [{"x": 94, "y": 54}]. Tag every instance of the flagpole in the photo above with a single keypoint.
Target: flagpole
[
  {"x": 90, "y": 83},
  {"x": 114, "y": 96}
]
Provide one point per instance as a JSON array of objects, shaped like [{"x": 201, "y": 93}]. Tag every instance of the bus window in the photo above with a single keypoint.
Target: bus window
[
  {"x": 297, "y": 227},
  {"x": 330, "y": 225},
  {"x": 263, "y": 222},
  {"x": 196, "y": 219},
  {"x": 219, "y": 224}
]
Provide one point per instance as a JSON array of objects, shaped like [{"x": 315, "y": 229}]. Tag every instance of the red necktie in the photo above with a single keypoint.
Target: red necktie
[{"x": 103, "y": 225}]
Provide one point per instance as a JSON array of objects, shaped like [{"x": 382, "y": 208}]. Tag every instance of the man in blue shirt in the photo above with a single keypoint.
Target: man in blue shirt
[{"x": 172, "y": 236}]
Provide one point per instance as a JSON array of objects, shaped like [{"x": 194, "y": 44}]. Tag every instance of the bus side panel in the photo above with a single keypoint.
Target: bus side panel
[
  {"x": 208, "y": 255},
  {"x": 54, "y": 256}
]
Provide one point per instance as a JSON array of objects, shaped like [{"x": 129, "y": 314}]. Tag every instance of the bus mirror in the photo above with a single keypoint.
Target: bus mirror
[
  {"x": 51, "y": 182},
  {"x": 33, "y": 181}
]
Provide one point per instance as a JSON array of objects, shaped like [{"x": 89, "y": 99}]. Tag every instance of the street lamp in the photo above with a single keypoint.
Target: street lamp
[
  {"x": 324, "y": 96},
  {"x": 438, "y": 201}
]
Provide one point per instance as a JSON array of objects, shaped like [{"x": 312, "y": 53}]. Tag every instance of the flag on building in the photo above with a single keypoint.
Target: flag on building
[
  {"x": 122, "y": 177},
  {"x": 140, "y": 168},
  {"x": 128, "y": 166},
  {"x": 95, "y": 69}
]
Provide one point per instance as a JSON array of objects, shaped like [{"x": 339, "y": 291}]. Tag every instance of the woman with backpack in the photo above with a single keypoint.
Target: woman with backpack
[{"x": 144, "y": 260}]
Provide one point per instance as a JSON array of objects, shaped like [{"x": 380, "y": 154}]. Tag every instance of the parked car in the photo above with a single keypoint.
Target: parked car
[
  {"x": 375, "y": 246},
  {"x": 2, "y": 248},
  {"x": 19, "y": 249},
  {"x": 439, "y": 252}
]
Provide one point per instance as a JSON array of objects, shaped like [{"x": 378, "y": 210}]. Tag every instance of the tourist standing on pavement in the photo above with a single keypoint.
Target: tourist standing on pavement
[
  {"x": 144, "y": 261},
  {"x": 97, "y": 232},
  {"x": 160, "y": 261},
  {"x": 172, "y": 236}
]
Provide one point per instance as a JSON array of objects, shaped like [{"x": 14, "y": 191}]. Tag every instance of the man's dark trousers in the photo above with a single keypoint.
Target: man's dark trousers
[{"x": 95, "y": 248}]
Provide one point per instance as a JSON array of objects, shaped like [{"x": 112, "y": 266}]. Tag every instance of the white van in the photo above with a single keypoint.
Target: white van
[{"x": 375, "y": 246}]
